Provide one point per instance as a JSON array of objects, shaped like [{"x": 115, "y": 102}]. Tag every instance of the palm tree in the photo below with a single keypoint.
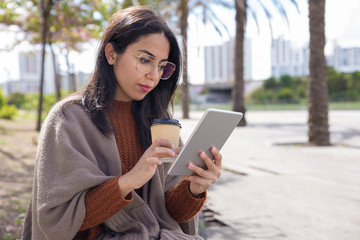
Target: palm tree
[
  {"x": 238, "y": 88},
  {"x": 184, "y": 8},
  {"x": 242, "y": 7},
  {"x": 318, "y": 133}
]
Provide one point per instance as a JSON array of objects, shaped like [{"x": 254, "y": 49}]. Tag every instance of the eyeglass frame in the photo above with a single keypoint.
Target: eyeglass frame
[{"x": 153, "y": 66}]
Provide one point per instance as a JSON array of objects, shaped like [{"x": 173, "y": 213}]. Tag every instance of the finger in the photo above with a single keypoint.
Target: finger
[
  {"x": 203, "y": 182},
  {"x": 200, "y": 171},
  {"x": 217, "y": 155},
  {"x": 163, "y": 152},
  {"x": 208, "y": 161},
  {"x": 161, "y": 142},
  {"x": 178, "y": 150},
  {"x": 153, "y": 161},
  {"x": 213, "y": 169}
]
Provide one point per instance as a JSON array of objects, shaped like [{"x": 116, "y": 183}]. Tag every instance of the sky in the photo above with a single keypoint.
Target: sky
[{"x": 342, "y": 23}]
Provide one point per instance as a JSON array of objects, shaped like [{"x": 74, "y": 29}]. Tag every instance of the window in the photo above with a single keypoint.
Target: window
[{"x": 30, "y": 63}]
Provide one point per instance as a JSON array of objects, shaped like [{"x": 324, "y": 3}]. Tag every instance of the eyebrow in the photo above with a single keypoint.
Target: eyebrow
[{"x": 150, "y": 54}]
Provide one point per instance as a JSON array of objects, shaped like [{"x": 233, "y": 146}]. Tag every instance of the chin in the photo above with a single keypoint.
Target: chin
[{"x": 139, "y": 98}]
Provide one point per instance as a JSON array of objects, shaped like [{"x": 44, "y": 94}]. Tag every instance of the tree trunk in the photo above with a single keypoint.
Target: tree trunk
[
  {"x": 56, "y": 73},
  {"x": 318, "y": 132},
  {"x": 71, "y": 74},
  {"x": 238, "y": 88},
  {"x": 73, "y": 82},
  {"x": 45, "y": 12},
  {"x": 184, "y": 11},
  {"x": 41, "y": 91}
]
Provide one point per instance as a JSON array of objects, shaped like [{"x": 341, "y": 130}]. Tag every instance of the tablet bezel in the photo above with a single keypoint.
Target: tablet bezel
[{"x": 207, "y": 133}]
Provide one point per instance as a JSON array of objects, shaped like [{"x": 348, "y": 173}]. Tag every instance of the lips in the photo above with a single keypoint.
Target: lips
[{"x": 145, "y": 88}]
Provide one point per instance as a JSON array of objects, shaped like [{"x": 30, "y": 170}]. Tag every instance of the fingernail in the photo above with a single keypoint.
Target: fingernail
[{"x": 191, "y": 165}]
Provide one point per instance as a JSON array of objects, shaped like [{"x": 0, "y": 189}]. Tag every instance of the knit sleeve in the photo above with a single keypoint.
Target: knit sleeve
[
  {"x": 102, "y": 202},
  {"x": 181, "y": 204}
]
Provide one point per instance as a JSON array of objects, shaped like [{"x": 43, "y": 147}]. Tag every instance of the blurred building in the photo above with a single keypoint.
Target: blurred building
[
  {"x": 345, "y": 59},
  {"x": 219, "y": 72},
  {"x": 219, "y": 62},
  {"x": 30, "y": 72},
  {"x": 287, "y": 59}
]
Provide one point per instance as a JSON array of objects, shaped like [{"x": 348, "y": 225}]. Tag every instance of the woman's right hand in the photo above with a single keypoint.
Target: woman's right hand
[{"x": 145, "y": 168}]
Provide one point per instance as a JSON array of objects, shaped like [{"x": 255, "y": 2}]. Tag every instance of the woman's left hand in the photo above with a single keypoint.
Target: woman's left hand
[{"x": 200, "y": 183}]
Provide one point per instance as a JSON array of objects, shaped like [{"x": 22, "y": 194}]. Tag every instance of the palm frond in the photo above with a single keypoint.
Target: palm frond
[
  {"x": 209, "y": 15},
  {"x": 296, "y": 5},
  {"x": 222, "y": 3},
  {"x": 254, "y": 16},
  {"x": 268, "y": 16},
  {"x": 216, "y": 22},
  {"x": 281, "y": 10}
]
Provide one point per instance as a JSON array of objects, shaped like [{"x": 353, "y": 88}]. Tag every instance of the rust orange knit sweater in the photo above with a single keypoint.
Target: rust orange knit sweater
[{"x": 105, "y": 200}]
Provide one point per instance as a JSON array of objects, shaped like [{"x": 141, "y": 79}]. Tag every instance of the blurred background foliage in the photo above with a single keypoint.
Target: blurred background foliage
[
  {"x": 17, "y": 102},
  {"x": 342, "y": 87}
]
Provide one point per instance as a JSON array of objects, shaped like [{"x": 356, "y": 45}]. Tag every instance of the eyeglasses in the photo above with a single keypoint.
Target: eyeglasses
[{"x": 147, "y": 63}]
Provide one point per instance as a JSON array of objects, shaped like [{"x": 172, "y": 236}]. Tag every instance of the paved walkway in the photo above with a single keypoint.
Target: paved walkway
[{"x": 277, "y": 188}]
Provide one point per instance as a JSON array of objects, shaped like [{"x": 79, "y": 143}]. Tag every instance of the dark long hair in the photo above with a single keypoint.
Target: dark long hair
[{"x": 126, "y": 27}]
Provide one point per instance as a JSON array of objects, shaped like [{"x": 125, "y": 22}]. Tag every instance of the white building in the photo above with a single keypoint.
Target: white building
[
  {"x": 30, "y": 72},
  {"x": 345, "y": 59},
  {"x": 286, "y": 59},
  {"x": 219, "y": 72},
  {"x": 219, "y": 62}
]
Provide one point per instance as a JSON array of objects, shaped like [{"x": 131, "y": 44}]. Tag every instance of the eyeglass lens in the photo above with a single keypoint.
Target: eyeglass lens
[
  {"x": 146, "y": 64},
  {"x": 167, "y": 70}
]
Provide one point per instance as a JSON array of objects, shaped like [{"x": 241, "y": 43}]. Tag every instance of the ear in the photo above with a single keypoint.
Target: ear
[{"x": 110, "y": 54}]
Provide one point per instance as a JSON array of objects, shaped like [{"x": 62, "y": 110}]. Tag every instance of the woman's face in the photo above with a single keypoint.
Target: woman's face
[{"x": 131, "y": 83}]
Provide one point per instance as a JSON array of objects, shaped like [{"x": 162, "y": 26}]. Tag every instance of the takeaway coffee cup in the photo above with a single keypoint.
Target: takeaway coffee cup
[{"x": 166, "y": 128}]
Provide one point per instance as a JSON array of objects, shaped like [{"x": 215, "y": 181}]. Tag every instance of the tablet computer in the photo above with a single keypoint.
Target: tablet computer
[{"x": 213, "y": 129}]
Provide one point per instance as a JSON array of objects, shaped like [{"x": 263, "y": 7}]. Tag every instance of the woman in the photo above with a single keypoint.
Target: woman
[{"x": 97, "y": 174}]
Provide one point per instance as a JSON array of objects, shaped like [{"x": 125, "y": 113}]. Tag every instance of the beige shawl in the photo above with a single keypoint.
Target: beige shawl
[{"x": 73, "y": 156}]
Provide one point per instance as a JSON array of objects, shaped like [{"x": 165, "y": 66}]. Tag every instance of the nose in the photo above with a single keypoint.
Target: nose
[{"x": 154, "y": 74}]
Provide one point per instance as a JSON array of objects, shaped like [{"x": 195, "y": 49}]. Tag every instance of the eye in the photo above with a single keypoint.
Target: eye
[{"x": 145, "y": 59}]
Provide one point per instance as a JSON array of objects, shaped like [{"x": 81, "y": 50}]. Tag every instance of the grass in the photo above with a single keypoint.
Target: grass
[
  {"x": 275, "y": 107},
  {"x": 32, "y": 115},
  {"x": 24, "y": 114},
  {"x": 345, "y": 106}
]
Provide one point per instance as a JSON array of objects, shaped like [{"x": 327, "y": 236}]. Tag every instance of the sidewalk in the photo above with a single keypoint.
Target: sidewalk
[{"x": 277, "y": 188}]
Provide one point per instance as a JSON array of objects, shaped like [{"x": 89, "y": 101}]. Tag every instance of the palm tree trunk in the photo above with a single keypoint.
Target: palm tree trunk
[
  {"x": 318, "y": 133},
  {"x": 238, "y": 88},
  {"x": 185, "y": 85}
]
